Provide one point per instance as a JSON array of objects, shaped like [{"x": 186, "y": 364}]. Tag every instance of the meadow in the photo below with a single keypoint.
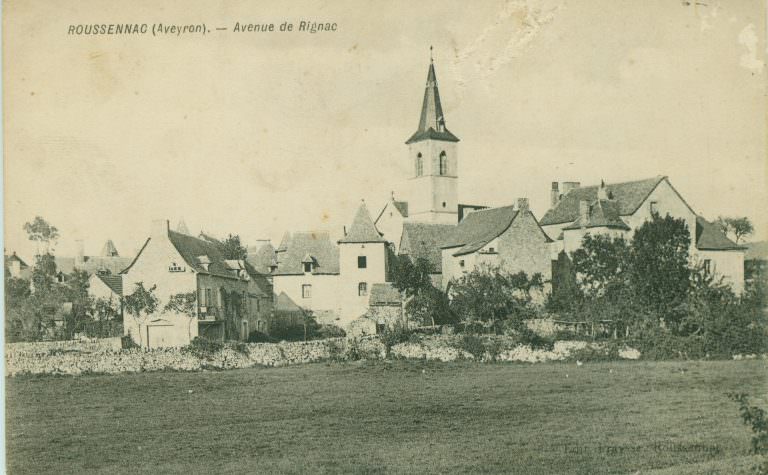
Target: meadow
[{"x": 389, "y": 417}]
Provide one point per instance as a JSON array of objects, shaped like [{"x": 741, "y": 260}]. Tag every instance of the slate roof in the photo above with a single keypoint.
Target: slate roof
[
  {"x": 432, "y": 119},
  {"x": 262, "y": 258},
  {"x": 362, "y": 230},
  {"x": 709, "y": 237},
  {"x": 602, "y": 214},
  {"x": 628, "y": 196},
  {"x": 191, "y": 248},
  {"x": 401, "y": 206},
  {"x": 284, "y": 242},
  {"x": 114, "y": 282},
  {"x": 423, "y": 240},
  {"x": 384, "y": 295},
  {"x": 109, "y": 249},
  {"x": 317, "y": 244},
  {"x": 479, "y": 228},
  {"x": 284, "y": 303}
]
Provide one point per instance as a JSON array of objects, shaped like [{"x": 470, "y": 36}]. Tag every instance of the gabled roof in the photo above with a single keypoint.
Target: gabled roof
[
  {"x": 479, "y": 228},
  {"x": 709, "y": 237},
  {"x": 602, "y": 214},
  {"x": 284, "y": 303},
  {"x": 114, "y": 282},
  {"x": 423, "y": 240},
  {"x": 318, "y": 244},
  {"x": 190, "y": 248},
  {"x": 628, "y": 196},
  {"x": 362, "y": 230},
  {"x": 15, "y": 257},
  {"x": 384, "y": 295},
  {"x": 432, "y": 119},
  {"x": 93, "y": 264}
]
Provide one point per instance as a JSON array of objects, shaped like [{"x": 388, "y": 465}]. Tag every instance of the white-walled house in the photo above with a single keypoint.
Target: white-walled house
[
  {"x": 232, "y": 299},
  {"x": 508, "y": 238},
  {"x": 621, "y": 208}
]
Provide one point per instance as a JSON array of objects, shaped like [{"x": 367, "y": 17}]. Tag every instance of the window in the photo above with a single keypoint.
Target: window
[
  {"x": 491, "y": 250},
  {"x": 175, "y": 268},
  {"x": 654, "y": 206},
  {"x": 307, "y": 267},
  {"x": 208, "y": 299},
  {"x": 419, "y": 165},
  {"x": 306, "y": 291},
  {"x": 362, "y": 289},
  {"x": 444, "y": 204},
  {"x": 461, "y": 263},
  {"x": 443, "y": 163},
  {"x": 362, "y": 262},
  {"x": 707, "y": 266}
]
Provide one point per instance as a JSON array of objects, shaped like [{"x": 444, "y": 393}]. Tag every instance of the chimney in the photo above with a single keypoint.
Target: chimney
[
  {"x": 555, "y": 194},
  {"x": 80, "y": 256},
  {"x": 522, "y": 204},
  {"x": 159, "y": 228},
  {"x": 583, "y": 212},
  {"x": 570, "y": 185}
]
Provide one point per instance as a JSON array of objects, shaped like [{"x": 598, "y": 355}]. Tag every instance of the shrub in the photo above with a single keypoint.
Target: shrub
[
  {"x": 526, "y": 336},
  {"x": 329, "y": 331},
  {"x": 393, "y": 335},
  {"x": 472, "y": 344},
  {"x": 754, "y": 417},
  {"x": 204, "y": 348},
  {"x": 259, "y": 337},
  {"x": 607, "y": 351}
]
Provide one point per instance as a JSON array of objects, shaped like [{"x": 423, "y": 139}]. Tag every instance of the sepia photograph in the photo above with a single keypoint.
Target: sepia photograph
[{"x": 502, "y": 236}]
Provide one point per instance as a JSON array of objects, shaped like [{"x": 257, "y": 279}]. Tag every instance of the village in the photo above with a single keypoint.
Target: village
[{"x": 242, "y": 292}]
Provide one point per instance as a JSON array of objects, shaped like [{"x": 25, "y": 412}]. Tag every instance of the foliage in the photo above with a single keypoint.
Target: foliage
[
  {"x": 232, "y": 248},
  {"x": 487, "y": 296},
  {"x": 528, "y": 337},
  {"x": 16, "y": 290},
  {"x": 566, "y": 292},
  {"x": 204, "y": 348},
  {"x": 291, "y": 327},
  {"x": 393, "y": 335},
  {"x": 183, "y": 303},
  {"x": 601, "y": 264},
  {"x": 430, "y": 306},
  {"x": 738, "y": 227},
  {"x": 324, "y": 331},
  {"x": 44, "y": 272},
  {"x": 755, "y": 418},
  {"x": 259, "y": 337},
  {"x": 141, "y": 303},
  {"x": 40, "y": 231},
  {"x": 472, "y": 344}
]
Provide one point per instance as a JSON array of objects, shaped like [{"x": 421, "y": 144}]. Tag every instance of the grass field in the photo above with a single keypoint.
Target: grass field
[{"x": 382, "y": 417}]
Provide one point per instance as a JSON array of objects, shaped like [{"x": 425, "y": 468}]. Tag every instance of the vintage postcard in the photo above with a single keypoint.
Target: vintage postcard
[{"x": 504, "y": 236}]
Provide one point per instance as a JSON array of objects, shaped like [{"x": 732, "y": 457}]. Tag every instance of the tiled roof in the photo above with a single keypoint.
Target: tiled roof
[
  {"x": 362, "y": 229},
  {"x": 401, "y": 206},
  {"x": 479, "y": 228},
  {"x": 628, "y": 195},
  {"x": 709, "y": 237},
  {"x": 191, "y": 248},
  {"x": 602, "y": 214},
  {"x": 114, "y": 282},
  {"x": 384, "y": 295},
  {"x": 423, "y": 240},
  {"x": 432, "y": 119},
  {"x": 316, "y": 243}
]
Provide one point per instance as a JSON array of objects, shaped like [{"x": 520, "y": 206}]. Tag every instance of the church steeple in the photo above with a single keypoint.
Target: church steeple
[{"x": 432, "y": 119}]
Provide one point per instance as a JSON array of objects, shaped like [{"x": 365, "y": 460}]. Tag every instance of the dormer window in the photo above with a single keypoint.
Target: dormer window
[
  {"x": 307, "y": 267},
  {"x": 175, "y": 268}
]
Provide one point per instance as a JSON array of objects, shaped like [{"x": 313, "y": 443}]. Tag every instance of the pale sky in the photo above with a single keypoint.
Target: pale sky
[{"x": 258, "y": 133}]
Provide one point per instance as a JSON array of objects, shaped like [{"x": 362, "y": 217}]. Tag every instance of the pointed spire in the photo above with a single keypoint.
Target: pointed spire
[
  {"x": 182, "y": 227},
  {"x": 432, "y": 119},
  {"x": 109, "y": 249},
  {"x": 362, "y": 229},
  {"x": 283, "y": 246}
]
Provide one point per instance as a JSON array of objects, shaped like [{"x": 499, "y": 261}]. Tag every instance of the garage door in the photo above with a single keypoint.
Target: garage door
[{"x": 160, "y": 336}]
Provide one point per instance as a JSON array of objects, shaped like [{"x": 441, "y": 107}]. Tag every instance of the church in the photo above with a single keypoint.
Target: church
[{"x": 340, "y": 282}]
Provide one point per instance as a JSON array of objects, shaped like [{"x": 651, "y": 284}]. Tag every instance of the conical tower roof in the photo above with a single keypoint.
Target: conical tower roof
[
  {"x": 109, "y": 249},
  {"x": 432, "y": 119},
  {"x": 362, "y": 229},
  {"x": 284, "y": 242},
  {"x": 182, "y": 227}
]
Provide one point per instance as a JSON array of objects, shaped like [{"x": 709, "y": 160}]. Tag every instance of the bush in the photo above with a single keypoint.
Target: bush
[
  {"x": 754, "y": 417},
  {"x": 259, "y": 337},
  {"x": 528, "y": 337},
  {"x": 607, "y": 351},
  {"x": 203, "y": 347},
  {"x": 393, "y": 335},
  {"x": 328, "y": 331},
  {"x": 472, "y": 344}
]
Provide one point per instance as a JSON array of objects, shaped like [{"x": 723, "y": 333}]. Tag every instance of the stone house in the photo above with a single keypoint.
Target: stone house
[
  {"x": 508, "y": 238},
  {"x": 232, "y": 299},
  {"x": 621, "y": 208}
]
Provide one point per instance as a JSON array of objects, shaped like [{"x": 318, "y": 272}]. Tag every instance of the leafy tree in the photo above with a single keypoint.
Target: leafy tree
[
  {"x": 232, "y": 248},
  {"x": 44, "y": 272},
  {"x": 183, "y": 303},
  {"x": 659, "y": 271},
  {"x": 424, "y": 303},
  {"x": 487, "y": 296},
  {"x": 738, "y": 227},
  {"x": 141, "y": 303},
  {"x": 42, "y": 232},
  {"x": 16, "y": 291},
  {"x": 601, "y": 264},
  {"x": 411, "y": 277},
  {"x": 430, "y": 306}
]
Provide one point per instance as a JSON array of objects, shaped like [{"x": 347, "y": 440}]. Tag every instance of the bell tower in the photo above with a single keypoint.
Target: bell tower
[{"x": 432, "y": 155}]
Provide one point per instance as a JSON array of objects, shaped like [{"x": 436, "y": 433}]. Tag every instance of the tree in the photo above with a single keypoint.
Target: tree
[
  {"x": 659, "y": 271},
  {"x": 44, "y": 272},
  {"x": 232, "y": 248},
  {"x": 424, "y": 303},
  {"x": 141, "y": 303},
  {"x": 487, "y": 296},
  {"x": 738, "y": 227},
  {"x": 601, "y": 263},
  {"x": 42, "y": 232},
  {"x": 183, "y": 303}
]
